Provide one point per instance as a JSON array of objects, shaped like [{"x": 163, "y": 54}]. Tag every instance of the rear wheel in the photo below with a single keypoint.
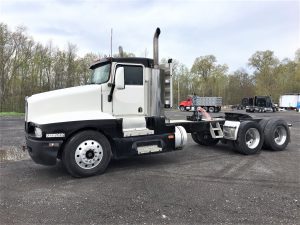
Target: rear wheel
[
  {"x": 277, "y": 134},
  {"x": 250, "y": 138},
  {"x": 181, "y": 108},
  {"x": 204, "y": 138},
  {"x": 217, "y": 109},
  {"x": 205, "y": 108},
  {"x": 86, "y": 153},
  {"x": 263, "y": 122}
]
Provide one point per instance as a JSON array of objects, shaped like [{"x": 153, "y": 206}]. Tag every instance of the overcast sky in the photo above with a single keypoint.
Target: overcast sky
[{"x": 230, "y": 30}]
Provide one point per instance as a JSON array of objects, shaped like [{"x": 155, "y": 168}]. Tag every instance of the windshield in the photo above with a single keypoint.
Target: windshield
[{"x": 100, "y": 74}]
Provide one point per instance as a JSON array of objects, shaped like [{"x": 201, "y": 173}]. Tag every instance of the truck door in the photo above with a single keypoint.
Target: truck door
[{"x": 130, "y": 100}]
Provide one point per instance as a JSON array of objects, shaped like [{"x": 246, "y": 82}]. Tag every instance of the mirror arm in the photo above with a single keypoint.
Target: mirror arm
[{"x": 110, "y": 96}]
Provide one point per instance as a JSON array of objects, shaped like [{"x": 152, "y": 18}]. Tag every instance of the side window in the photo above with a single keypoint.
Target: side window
[{"x": 133, "y": 75}]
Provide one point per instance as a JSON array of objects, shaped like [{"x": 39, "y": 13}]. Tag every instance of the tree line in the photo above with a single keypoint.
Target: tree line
[
  {"x": 270, "y": 77},
  {"x": 28, "y": 67}
]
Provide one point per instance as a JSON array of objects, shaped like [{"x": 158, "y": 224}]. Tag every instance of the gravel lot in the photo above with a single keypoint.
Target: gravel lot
[{"x": 197, "y": 185}]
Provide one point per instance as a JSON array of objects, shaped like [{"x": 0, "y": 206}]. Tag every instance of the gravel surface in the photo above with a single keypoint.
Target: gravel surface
[{"x": 197, "y": 185}]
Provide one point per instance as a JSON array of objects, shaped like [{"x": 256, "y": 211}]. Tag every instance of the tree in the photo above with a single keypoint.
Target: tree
[
  {"x": 203, "y": 66},
  {"x": 265, "y": 64},
  {"x": 239, "y": 82},
  {"x": 208, "y": 76},
  {"x": 28, "y": 67}
]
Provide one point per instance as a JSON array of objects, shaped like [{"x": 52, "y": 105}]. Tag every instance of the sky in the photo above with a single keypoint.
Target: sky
[{"x": 231, "y": 30}]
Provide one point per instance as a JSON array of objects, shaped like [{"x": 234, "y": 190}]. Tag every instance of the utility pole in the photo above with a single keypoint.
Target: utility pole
[{"x": 178, "y": 92}]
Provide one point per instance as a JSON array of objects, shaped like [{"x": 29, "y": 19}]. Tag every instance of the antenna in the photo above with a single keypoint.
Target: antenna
[{"x": 111, "y": 34}]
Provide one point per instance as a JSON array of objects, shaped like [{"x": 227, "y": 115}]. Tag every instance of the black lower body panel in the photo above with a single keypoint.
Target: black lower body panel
[
  {"x": 129, "y": 146},
  {"x": 43, "y": 152}
]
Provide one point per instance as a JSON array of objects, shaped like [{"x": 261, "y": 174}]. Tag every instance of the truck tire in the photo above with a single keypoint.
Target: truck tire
[
  {"x": 211, "y": 109},
  {"x": 86, "y": 153},
  {"x": 250, "y": 138},
  {"x": 205, "y": 108},
  {"x": 204, "y": 138},
  {"x": 277, "y": 134},
  {"x": 182, "y": 108},
  {"x": 262, "y": 123}
]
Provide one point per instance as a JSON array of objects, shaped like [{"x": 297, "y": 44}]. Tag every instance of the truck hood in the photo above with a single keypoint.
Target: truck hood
[{"x": 69, "y": 104}]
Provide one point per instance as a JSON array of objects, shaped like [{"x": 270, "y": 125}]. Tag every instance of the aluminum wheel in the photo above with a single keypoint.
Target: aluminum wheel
[
  {"x": 280, "y": 135},
  {"x": 252, "y": 138},
  {"x": 88, "y": 154}
]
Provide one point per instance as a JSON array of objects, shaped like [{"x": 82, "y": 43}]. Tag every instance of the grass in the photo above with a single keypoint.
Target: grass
[{"x": 11, "y": 114}]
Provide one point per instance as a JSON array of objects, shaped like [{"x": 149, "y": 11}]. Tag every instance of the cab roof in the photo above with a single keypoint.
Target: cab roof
[{"x": 135, "y": 60}]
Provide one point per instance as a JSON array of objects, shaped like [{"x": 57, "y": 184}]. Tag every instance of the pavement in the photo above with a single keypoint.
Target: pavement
[{"x": 196, "y": 185}]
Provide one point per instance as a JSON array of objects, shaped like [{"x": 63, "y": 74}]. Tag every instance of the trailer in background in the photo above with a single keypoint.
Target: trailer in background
[{"x": 290, "y": 101}]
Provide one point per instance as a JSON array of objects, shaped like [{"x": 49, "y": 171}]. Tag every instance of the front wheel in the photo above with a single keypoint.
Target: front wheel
[
  {"x": 86, "y": 153},
  {"x": 182, "y": 108},
  {"x": 250, "y": 138}
]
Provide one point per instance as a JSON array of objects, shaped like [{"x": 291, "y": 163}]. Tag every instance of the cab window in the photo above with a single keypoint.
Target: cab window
[{"x": 133, "y": 75}]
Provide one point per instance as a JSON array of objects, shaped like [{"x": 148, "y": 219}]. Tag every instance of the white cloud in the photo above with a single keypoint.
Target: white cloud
[{"x": 231, "y": 30}]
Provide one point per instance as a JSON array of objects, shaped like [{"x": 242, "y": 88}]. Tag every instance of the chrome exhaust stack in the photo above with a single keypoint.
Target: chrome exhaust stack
[
  {"x": 156, "y": 81},
  {"x": 155, "y": 48},
  {"x": 121, "y": 53}
]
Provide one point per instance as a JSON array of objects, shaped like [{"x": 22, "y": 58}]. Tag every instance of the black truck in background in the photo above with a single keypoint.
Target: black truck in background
[{"x": 258, "y": 104}]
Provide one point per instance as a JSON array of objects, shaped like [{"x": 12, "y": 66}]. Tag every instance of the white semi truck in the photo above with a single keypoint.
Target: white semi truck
[{"x": 120, "y": 113}]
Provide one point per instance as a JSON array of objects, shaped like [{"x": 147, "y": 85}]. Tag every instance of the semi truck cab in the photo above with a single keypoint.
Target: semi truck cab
[{"x": 120, "y": 113}]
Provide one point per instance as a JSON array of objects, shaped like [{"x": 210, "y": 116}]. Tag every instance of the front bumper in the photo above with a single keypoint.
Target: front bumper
[{"x": 43, "y": 152}]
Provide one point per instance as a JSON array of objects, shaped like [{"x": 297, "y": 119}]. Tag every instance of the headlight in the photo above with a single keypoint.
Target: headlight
[{"x": 38, "y": 132}]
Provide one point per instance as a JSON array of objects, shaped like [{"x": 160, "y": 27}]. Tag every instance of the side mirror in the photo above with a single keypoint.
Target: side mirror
[{"x": 119, "y": 78}]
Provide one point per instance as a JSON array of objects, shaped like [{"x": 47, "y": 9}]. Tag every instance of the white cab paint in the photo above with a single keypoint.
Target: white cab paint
[
  {"x": 127, "y": 101},
  {"x": 135, "y": 126},
  {"x": 72, "y": 116},
  {"x": 70, "y": 104},
  {"x": 132, "y": 122}
]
